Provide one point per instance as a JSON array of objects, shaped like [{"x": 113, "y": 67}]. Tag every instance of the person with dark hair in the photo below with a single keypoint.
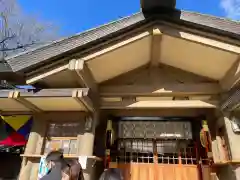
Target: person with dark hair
[
  {"x": 73, "y": 171},
  {"x": 55, "y": 163},
  {"x": 112, "y": 174}
]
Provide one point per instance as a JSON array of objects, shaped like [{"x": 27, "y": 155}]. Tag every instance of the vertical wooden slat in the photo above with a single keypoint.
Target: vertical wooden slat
[
  {"x": 134, "y": 171},
  {"x": 178, "y": 173},
  {"x": 143, "y": 173},
  {"x": 151, "y": 171},
  {"x": 179, "y": 157}
]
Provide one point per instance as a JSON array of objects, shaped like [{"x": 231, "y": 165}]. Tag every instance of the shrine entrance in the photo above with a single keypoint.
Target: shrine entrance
[{"x": 159, "y": 148}]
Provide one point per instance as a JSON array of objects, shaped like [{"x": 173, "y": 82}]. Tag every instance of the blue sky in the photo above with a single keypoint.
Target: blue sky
[{"x": 74, "y": 16}]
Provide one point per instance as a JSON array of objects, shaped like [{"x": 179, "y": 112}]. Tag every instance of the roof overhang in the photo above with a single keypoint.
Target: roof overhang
[
  {"x": 215, "y": 26},
  {"x": 188, "y": 41},
  {"x": 153, "y": 45},
  {"x": 46, "y": 100}
]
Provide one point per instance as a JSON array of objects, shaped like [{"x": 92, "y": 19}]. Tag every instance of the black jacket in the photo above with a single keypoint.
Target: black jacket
[{"x": 53, "y": 174}]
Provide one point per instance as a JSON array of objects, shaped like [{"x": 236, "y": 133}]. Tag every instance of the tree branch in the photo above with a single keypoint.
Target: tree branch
[
  {"x": 7, "y": 38},
  {"x": 23, "y": 46}
]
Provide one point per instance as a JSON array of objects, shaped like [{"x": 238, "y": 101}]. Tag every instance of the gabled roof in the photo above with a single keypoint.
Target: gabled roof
[{"x": 32, "y": 59}]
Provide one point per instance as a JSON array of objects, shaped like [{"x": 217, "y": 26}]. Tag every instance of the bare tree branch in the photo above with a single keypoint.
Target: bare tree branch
[
  {"x": 7, "y": 38},
  {"x": 18, "y": 31}
]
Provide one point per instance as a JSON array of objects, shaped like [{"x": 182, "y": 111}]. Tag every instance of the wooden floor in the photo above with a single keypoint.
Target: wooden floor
[{"x": 146, "y": 171}]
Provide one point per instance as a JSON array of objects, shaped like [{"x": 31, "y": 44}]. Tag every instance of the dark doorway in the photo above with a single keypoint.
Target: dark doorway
[{"x": 10, "y": 165}]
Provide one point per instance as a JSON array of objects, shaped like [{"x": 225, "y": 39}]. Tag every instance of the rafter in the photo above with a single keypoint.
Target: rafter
[
  {"x": 200, "y": 39},
  {"x": 128, "y": 104},
  {"x": 81, "y": 97},
  {"x": 17, "y": 97},
  {"x": 38, "y": 77},
  {"x": 83, "y": 74},
  {"x": 155, "y": 47},
  {"x": 118, "y": 45},
  {"x": 160, "y": 90}
]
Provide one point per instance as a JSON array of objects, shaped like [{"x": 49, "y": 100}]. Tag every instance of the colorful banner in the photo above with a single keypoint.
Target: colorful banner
[{"x": 14, "y": 130}]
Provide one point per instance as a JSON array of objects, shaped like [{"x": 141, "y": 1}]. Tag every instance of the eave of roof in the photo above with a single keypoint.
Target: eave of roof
[
  {"x": 4, "y": 67},
  {"x": 32, "y": 59}
]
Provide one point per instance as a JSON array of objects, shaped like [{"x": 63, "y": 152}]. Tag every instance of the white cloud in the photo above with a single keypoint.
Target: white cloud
[{"x": 231, "y": 8}]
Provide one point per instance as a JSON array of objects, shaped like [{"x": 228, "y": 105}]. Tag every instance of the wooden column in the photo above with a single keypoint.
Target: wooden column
[
  {"x": 33, "y": 147},
  {"x": 232, "y": 137},
  {"x": 35, "y": 135},
  {"x": 87, "y": 144},
  {"x": 25, "y": 172}
]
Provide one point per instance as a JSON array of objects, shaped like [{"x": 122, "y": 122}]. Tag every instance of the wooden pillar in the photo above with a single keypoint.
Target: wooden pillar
[
  {"x": 25, "y": 172},
  {"x": 35, "y": 135},
  {"x": 87, "y": 144},
  {"x": 231, "y": 171},
  {"x": 233, "y": 138},
  {"x": 33, "y": 147}
]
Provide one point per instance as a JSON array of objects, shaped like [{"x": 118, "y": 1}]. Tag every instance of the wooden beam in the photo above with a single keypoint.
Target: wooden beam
[
  {"x": 159, "y": 104},
  {"x": 200, "y": 40},
  {"x": 66, "y": 92},
  {"x": 232, "y": 77},
  {"x": 165, "y": 112},
  {"x": 155, "y": 47},
  {"x": 116, "y": 46},
  {"x": 160, "y": 90},
  {"x": 17, "y": 97},
  {"x": 82, "y": 99},
  {"x": 84, "y": 75},
  {"x": 36, "y": 78}
]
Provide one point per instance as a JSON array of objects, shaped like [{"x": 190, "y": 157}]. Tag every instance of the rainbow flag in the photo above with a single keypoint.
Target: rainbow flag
[{"x": 14, "y": 130}]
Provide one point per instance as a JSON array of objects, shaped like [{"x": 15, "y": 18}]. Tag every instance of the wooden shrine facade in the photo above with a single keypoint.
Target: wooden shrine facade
[{"x": 175, "y": 64}]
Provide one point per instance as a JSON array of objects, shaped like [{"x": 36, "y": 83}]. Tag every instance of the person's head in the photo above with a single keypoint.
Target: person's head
[
  {"x": 73, "y": 171},
  {"x": 53, "y": 158},
  {"x": 111, "y": 174}
]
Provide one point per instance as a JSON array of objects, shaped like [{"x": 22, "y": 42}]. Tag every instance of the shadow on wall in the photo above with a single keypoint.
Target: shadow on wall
[{"x": 10, "y": 166}]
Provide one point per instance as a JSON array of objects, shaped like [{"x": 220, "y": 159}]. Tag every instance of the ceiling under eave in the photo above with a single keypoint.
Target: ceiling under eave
[
  {"x": 203, "y": 57},
  {"x": 209, "y": 47},
  {"x": 198, "y": 58}
]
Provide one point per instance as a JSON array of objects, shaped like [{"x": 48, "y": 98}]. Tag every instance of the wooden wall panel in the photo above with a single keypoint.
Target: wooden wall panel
[
  {"x": 206, "y": 173},
  {"x": 144, "y": 171}
]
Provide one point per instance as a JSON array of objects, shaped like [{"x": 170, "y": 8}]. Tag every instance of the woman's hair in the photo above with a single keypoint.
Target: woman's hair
[
  {"x": 111, "y": 174},
  {"x": 74, "y": 170},
  {"x": 54, "y": 156}
]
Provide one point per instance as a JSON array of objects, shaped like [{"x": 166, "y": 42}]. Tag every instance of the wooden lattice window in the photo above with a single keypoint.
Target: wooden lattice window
[{"x": 62, "y": 135}]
